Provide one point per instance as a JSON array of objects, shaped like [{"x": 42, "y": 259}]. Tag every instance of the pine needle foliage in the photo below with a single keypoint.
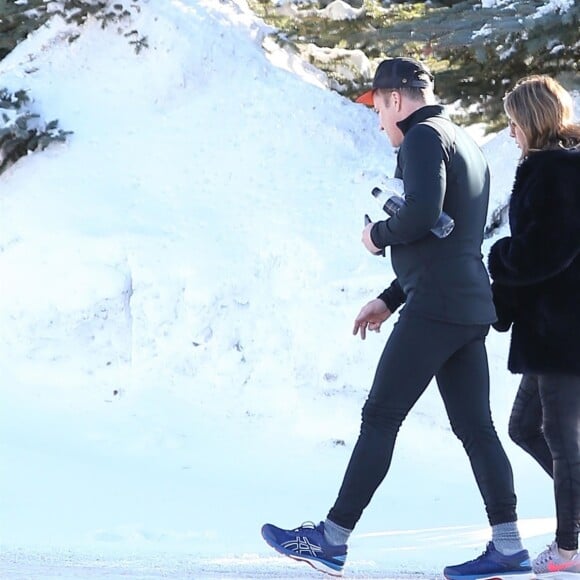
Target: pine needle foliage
[
  {"x": 21, "y": 130},
  {"x": 18, "y": 19},
  {"x": 477, "y": 53}
]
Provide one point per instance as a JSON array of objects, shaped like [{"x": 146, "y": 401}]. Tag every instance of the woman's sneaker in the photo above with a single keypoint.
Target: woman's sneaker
[
  {"x": 307, "y": 544},
  {"x": 549, "y": 564},
  {"x": 492, "y": 565}
]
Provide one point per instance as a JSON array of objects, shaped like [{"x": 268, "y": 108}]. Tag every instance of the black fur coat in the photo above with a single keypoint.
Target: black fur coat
[{"x": 536, "y": 270}]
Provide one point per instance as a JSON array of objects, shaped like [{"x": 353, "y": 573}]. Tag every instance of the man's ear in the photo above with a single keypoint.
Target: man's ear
[{"x": 396, "y": 99}]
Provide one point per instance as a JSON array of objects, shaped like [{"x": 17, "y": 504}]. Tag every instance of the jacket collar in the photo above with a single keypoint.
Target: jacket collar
[{"x": 419, "y": 115}]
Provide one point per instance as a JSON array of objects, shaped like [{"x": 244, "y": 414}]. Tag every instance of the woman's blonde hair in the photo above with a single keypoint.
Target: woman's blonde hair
[{"x": 544, "y": 111}]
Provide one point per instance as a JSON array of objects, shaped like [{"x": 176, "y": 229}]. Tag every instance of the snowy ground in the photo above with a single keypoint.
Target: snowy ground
[{"x": 178, "y": 286}]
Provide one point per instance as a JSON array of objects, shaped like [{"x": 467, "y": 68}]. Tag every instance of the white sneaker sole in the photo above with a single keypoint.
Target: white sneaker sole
[
  {"x": 511, "y": 576},
  {"x": 563, "y": 575},
  {"x": 320, "y": 566}
]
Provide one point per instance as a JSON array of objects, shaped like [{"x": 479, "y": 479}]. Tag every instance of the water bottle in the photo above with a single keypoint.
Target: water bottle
[{"x": 393, "y": 199}]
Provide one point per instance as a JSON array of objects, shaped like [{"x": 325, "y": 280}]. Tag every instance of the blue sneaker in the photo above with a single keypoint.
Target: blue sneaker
[
  {"x": 492, "y": 565},
  {"x": 307, "y": 544}
]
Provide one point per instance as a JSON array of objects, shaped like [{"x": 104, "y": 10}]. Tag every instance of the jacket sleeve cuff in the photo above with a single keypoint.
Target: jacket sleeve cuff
[
  {"x": 503, "y": 300},
  {"x": 393, "y": 296},
  {"x": 375, "y": 235}
]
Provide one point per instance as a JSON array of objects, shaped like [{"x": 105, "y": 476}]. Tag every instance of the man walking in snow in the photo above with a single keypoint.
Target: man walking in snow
[{"x": 440, "y": 333}]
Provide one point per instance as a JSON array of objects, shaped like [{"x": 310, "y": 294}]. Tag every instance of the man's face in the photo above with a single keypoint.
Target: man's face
[{"x": 387, "y": 106}]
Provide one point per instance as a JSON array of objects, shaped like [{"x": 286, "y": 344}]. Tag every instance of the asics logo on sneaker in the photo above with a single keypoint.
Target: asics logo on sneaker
[
  {"x": 302, "y": 545},
  {"x": 562, "y": 566}
]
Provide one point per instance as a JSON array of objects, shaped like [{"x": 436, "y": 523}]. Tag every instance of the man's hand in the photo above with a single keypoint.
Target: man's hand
[
  {"x": 371, "y": 316},
  {"x": 368, "y": 243}
]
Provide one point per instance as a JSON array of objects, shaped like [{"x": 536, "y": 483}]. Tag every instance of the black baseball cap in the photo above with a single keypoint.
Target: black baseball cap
[{"x": 397, "y": 73}]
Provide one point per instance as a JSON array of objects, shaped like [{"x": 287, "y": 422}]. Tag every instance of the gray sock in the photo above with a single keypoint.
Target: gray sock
[
  {"x": 335, "y": 534},
  {"x": 506, "y": 538}
]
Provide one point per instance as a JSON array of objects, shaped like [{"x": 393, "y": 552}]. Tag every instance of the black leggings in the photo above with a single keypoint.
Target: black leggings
[
  {"x": 545, "y": 422},
  {"x": 419, "y": 349}
]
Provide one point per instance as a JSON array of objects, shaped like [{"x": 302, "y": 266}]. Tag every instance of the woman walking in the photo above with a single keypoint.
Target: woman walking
[{"x": 536, "y": 286}]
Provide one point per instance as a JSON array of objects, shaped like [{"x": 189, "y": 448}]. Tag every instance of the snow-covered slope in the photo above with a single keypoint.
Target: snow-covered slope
[{"x": 178, "y": 285}]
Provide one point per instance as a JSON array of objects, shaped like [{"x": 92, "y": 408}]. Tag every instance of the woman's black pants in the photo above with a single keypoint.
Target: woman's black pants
[
  {"x": 417, "y": 350},
  {"x": 545, "y": 422}
]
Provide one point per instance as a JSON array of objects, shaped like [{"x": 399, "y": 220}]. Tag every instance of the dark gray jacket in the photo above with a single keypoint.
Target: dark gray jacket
[{"x": 442, "y": 168}]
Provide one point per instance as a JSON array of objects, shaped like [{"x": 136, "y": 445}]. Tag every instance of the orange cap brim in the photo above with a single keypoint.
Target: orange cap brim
[{"x": 366, "y": 99}]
